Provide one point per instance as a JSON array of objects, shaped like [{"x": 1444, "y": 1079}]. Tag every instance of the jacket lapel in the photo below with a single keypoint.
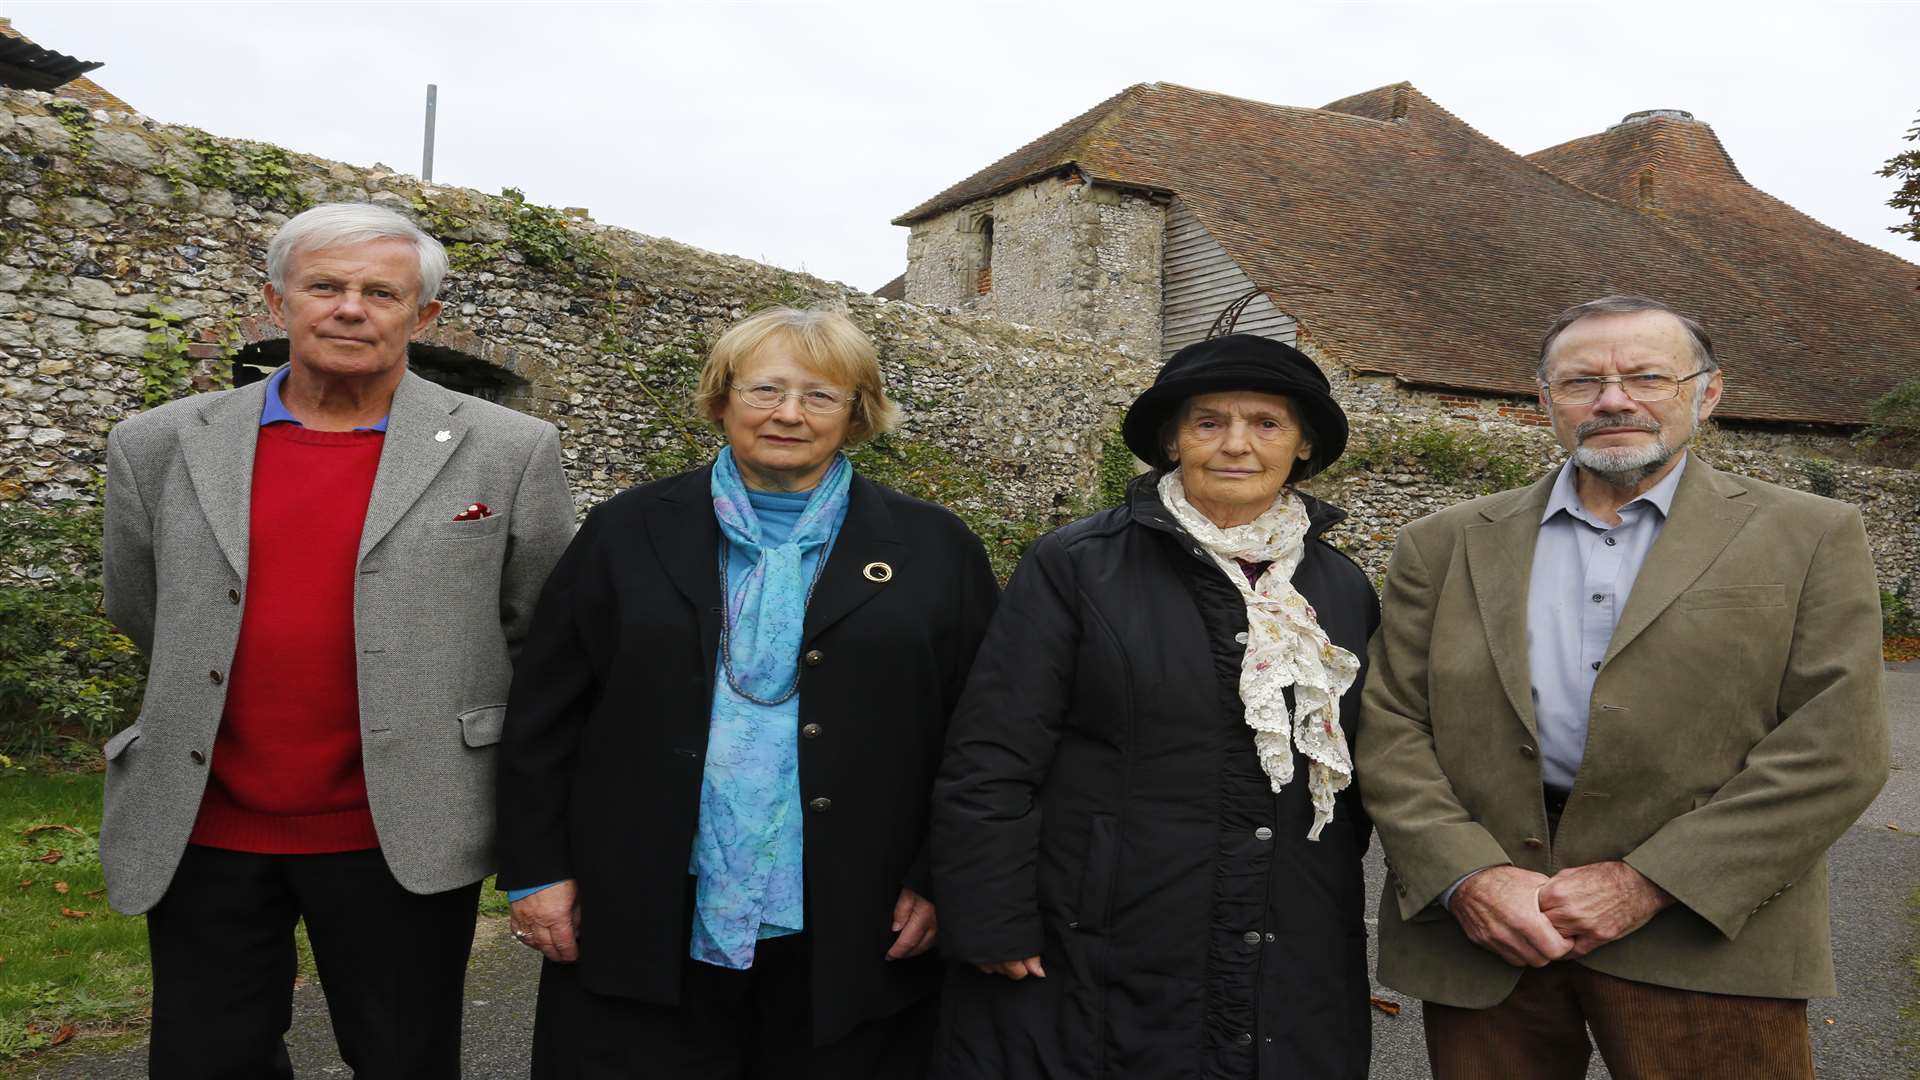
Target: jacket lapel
[
  {"x": 413, "y": 454},
  {"x": 867, "y": 536},
  {"x": 1707, "y": 511},
  {"x": 686, "y": 538},
  {"x": 1500, "y": 567},
  {"x": 219, "y": 455}
]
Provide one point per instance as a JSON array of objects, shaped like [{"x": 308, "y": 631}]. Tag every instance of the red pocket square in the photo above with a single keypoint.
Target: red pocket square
[{"x": 473, "y": 513}]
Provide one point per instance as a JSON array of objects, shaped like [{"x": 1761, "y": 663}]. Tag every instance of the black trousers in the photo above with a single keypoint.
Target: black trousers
[
  {"x": 393, "y": 965},
  {"x": 729, "y": 1025}
]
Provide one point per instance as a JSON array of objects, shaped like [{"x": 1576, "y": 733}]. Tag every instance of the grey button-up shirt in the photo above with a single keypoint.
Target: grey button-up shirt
[{"x": 1583, "y": 570}]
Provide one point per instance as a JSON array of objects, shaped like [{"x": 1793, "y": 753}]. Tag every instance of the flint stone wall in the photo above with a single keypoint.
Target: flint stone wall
[
  {"x": 1067, "y": 255},
  {"x": 115, "y": 223}
]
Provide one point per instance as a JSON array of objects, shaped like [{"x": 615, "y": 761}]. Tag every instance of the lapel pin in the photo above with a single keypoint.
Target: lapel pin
[
  {"x": 877, "y": 571},
  {"x": 442, "y": 436}
]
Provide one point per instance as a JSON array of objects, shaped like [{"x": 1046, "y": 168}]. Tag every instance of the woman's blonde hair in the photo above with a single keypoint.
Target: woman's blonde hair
[{"x": 824, "y": 341}]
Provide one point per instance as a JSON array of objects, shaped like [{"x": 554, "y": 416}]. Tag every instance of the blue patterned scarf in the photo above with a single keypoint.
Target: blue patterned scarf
[{"x": 747, "y": 848}]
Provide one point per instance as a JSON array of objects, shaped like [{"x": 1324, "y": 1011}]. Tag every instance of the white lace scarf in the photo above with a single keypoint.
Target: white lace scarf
[{"x": 1285, "y": 647}]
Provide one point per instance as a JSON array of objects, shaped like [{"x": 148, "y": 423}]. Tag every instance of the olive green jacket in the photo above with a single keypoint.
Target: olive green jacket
[{"x": 1738, "y": 727}]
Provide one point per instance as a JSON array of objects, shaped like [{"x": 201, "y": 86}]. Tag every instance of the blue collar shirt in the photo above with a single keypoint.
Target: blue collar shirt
[
  {"x": 1583, "y": 571},
  {"x": 274, "y": 411}
]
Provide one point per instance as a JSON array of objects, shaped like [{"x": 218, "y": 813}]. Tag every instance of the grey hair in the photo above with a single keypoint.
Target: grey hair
[
  {"x": 337, "y": 224},
  {"x": 1622, "y": 304}
]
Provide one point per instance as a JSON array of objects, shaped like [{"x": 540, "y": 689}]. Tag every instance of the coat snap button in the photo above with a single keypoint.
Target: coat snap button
[
  {"x": 1269, "y": 939},
  {"x": 820, "y": 804},
  {"x": 196, "y": 757},
  {"x": 810, "y": 731},
  {"x": 214, "y": 677},
  {"x": 813, "y": 657},
  {"x": 1251, "y": 937},
  {"x": 233, "y": 596},
  {"x": 1263, "y": 833},
  {"x": 1534, "y": 842}
]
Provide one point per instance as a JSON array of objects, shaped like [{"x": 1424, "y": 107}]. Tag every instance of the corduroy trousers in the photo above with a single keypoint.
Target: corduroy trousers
[{"x": 1645, "y": 1032}]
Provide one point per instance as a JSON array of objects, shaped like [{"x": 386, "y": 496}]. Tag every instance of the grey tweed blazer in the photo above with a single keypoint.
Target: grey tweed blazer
[{"x": 439, "y": 610}]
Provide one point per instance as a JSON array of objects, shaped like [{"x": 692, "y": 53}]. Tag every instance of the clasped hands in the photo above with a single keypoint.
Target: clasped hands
[
  {"x": 549, "y": 920},
  {"x": 1530, "y": 920}
]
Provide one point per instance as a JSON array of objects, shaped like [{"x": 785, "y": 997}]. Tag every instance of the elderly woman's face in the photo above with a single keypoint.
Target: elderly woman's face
[
  {"x": 1235, "y": 450},
  {"x": 787, "y": 447}
]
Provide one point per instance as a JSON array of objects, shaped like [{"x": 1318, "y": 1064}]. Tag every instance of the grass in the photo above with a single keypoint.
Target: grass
[
  {"x": 67, "y": 962},
  {"x": 69, "y": 965}
]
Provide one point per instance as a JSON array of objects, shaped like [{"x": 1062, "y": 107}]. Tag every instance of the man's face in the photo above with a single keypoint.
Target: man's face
[
  {"x": 1619, "y": 438},
  {"x": 350, "y": 311}
]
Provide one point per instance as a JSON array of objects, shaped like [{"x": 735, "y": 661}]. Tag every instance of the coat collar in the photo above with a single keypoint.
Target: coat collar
[
  {"x": 424, "y": 428},
  {"x": 1144, "y": 506},
  {"x": 219, "y": 453},
  {"x": 686, "y": 536},
  {"x": 1708, "y": 509},
  {"x": 219, "y": 456}
]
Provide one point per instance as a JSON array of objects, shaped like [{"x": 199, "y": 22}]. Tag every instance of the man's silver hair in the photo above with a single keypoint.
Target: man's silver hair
[
  {"x": 1623, "y": 304},
  {"x": 339, "y": 224}
]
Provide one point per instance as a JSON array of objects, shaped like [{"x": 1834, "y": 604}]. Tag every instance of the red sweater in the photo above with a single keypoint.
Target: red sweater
[{"x": 286, "y": 770}]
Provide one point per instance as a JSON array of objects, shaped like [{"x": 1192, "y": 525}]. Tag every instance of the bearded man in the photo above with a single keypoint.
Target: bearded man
[{"x": 1614, "y": 721}]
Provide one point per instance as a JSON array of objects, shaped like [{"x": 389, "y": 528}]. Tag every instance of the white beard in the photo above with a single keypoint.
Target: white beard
[{"x": 1625, "y": 466}]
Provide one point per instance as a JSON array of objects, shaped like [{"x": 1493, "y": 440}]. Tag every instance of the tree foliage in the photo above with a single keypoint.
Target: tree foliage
[{"x": 1905, "y": 167}]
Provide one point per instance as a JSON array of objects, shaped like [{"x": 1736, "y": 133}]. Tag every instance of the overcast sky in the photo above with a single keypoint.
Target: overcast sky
[{"x": 793, "y": 133}]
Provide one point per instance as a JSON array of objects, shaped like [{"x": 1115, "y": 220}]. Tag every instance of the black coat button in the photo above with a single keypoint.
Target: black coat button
[
  {"x": 1243, "y": 1039},
  {"x": 1528, "y": 751},
  {"x": 197, "y": 757},
  {"x": 214, "y": 678},
  {"x": 1251, "y": 937},
  {"x": 813, "y": 657},
  {"x": 233, "y": 596},
  {"x": 810, "y": 731},
  {"x": 819, "y": 804}
]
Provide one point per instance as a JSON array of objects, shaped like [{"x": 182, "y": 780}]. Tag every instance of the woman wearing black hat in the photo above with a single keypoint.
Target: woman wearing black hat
[{"x": 1146, "y": 835}]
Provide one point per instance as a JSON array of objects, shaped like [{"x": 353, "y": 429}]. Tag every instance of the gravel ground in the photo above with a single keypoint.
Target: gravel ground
[{"x": 1858, "y": 1035}]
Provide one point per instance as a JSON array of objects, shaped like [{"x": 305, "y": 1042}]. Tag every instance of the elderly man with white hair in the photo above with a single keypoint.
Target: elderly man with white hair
[{"x": 330, "y": 572}]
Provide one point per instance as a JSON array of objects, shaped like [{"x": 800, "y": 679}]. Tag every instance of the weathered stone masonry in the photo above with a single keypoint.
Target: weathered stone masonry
[{"x": 132, "y": 255}]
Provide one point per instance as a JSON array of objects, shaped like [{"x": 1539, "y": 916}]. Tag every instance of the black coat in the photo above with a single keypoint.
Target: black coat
[
  {"x": 606, "y": 733},
  {"x": 1101, "y": 805}
]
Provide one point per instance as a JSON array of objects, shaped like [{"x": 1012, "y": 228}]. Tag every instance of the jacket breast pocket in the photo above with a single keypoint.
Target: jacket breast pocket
[
  {"x": 467, "y": 530},
  {"x": 1732, "y": 596}
]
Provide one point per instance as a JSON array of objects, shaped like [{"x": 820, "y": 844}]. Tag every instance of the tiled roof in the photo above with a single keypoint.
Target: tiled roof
[
  {"x": 37, "y": 66},
  {"x": 1407, "y": 243}
]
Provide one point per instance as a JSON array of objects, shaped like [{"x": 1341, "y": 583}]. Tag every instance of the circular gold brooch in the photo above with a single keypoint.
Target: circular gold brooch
[{"x": 878, "y": 571}]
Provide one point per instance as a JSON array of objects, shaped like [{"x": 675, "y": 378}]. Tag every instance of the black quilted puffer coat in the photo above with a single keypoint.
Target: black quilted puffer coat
[{"x": 1100, "y": 805}]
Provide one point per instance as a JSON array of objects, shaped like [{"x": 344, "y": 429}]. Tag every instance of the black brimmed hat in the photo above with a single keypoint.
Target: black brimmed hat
[{"x": 1238, "y": 362}]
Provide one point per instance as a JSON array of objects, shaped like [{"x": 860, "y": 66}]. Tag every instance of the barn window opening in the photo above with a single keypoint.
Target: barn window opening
[
  {"x": 450, "y": 368},
  {"x": 983, "y": 281}
]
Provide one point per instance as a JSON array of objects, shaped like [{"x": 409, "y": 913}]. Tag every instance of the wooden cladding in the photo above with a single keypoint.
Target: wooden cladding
[{"x": 1198, "y": 279}]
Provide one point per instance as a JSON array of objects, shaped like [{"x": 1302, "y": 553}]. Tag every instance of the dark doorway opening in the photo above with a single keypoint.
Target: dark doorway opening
[{"x": 450, "y": 368}]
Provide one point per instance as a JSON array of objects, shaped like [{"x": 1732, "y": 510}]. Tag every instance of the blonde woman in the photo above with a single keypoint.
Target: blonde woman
[{"x": 721, "y": 738}]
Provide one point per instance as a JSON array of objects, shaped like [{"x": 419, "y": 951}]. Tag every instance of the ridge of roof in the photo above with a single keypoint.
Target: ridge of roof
[
  {"x": 1407, "y": 242},
  {"x": 1039, "y": 156}
]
